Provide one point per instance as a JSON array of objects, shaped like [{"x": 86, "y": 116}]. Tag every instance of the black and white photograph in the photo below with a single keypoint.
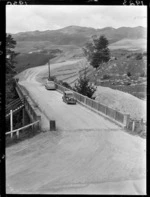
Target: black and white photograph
[{"x": 75, "y": 99}]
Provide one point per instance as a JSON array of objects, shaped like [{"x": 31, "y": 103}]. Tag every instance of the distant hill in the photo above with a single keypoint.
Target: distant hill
[
  {"x": 76, "y": 35},
  {"x": 37, "y": 47}
]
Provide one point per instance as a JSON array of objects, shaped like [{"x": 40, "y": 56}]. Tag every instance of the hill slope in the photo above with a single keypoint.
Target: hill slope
[{"x": 75, "y": 35}]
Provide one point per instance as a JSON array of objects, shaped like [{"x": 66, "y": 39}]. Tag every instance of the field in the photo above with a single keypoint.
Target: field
[
  {"x": 129, "y": 44},
  {"x": 33, "y": 59}
]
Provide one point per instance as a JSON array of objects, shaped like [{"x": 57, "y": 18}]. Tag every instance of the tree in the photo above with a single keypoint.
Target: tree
[
  {"x": 65, "y": 84},
  {"x": 83, "y": 86},
  {"x": 10, "y": 69},
  {"x": 97, "y": 52},
  {"x": 11, "y": 93},
  {"x": 10, "y": 54}
]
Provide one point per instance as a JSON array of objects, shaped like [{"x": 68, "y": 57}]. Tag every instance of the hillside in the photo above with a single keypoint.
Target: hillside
[
  {"x": 122, "y": 102},
  {"x": 37, "y": 47},
  {"x": 129, "y": 44},
  {"x": 75, "y": 35}
]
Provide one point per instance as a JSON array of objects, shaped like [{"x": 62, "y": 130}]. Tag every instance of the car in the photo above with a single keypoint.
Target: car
[
  {"x": 68, "y": 97},
  {"x": 50, "y": 85}
]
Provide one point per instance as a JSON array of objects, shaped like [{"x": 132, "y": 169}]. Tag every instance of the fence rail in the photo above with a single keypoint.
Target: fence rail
[
  {"x": 27, "y": 103},
  {"x": 23, "y": 132},
  {"x": 21, "y": 128}
]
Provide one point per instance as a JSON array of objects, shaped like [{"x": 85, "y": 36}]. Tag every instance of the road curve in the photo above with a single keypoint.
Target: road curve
[{"x": 87, "y": 153}]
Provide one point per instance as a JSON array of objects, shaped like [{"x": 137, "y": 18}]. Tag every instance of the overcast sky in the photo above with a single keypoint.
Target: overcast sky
[{"x": 30, "y": 17}]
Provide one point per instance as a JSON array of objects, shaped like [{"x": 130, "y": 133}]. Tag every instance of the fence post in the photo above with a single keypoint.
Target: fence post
[
  {"x": 17, "y": 133},
  {"x": 133, "y": 125},
  {"x": 11, "y": 122},
  {"x": 126, "y": 119},
  {"x": 52, "y": 125}
]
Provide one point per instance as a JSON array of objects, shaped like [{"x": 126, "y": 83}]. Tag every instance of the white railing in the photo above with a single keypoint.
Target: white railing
[{"x": 21, "y": 128}]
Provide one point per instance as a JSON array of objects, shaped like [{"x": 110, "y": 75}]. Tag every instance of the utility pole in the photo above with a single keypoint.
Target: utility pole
[{"x": 49, "y": 70}]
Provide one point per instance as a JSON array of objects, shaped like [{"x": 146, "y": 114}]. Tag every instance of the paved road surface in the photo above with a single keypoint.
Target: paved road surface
[{"x": 87, "y": 153}]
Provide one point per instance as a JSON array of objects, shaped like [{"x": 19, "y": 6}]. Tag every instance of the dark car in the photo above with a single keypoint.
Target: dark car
[{"x": 68, "y": 97}]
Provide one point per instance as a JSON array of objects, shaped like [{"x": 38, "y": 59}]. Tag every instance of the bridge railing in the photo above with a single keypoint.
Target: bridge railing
[
  {"x": 113, "y": 114},
  {"x": 117, "y": 116}
]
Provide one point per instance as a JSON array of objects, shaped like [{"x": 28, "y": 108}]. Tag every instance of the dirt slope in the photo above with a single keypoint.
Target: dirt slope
[{"x": 122, "y": 101}]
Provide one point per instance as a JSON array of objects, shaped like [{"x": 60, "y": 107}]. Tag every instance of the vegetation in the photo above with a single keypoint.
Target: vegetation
[
  {"x": 97, "y": 52},
  {"x": 10, "y": 54},
  {"x": 11, "y": 93},
  {"x": 139, "y": 56},
  {"x": 106, "y": 76},
  {"x": 128, "y": 74},
  {"x": 65, "y": 84},
  {"x": 10, "y": 69},
  {"x": 26, "y": 60},
  {"x": 83, "y": 86}
]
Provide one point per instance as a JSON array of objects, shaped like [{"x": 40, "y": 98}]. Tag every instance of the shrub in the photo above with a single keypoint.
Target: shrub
[
  {"x": 128, "y": 74},
  {"x": 139, "y": 56},
  {"x": 84, "y": 87},
  {"x": 106, "y": 76},
  {"x": 65, "y": 84},
  {"x": 128, "y": 56}
]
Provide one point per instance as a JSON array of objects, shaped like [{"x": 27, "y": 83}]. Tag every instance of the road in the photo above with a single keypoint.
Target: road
[{"x": 87, "y": 153}]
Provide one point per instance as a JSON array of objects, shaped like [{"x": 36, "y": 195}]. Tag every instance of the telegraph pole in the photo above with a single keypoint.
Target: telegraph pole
[{"x": 49, "y": 70}]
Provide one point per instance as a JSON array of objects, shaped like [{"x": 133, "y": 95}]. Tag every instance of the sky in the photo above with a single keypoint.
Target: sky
[{"x": 50, "y": 17}]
